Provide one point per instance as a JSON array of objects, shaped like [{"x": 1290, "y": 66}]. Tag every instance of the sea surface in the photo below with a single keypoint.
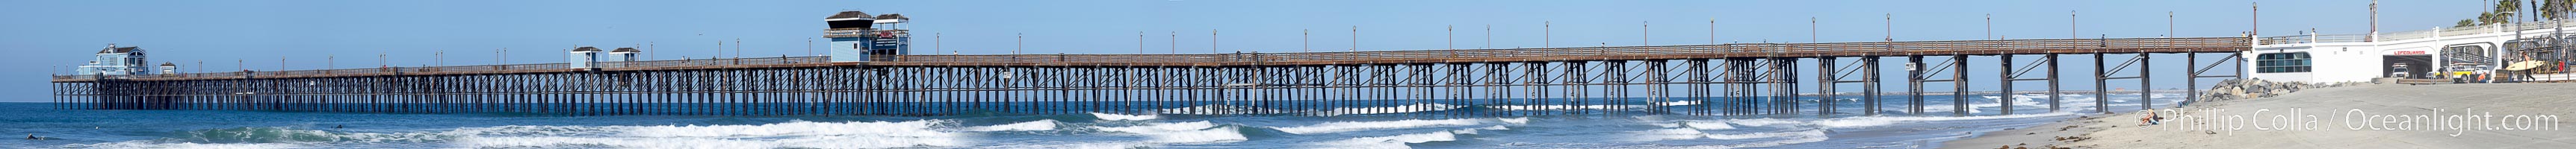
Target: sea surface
[{"x": 60, "y": 128}]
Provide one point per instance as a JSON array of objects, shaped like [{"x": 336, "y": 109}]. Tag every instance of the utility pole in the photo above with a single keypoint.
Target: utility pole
[
  {"x": 737, "y": 48},
  {"x": 1305, "y": 40},
  {"x": 1712, "y": 31},
  {"x": 1453, "y": 37},
  {"x": 1645, "y": 37},
  {"x": 1547, "y": 34},
  {"x": 1212, "y": 41},
  {"x": 1355, "y": 38},
  {"x": 1990, "y": 27},
  {"x": 1811, "y": 30}
]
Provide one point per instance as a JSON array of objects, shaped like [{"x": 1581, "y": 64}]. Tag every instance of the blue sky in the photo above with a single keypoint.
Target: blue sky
[{"x": 44, "y": 35}]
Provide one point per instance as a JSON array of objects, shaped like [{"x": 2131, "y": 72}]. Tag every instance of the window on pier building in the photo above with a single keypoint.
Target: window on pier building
[{"x": 2281, "y": 62}]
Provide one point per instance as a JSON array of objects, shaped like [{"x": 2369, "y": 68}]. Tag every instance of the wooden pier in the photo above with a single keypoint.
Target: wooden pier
[{"x": 1724, "y": 79}]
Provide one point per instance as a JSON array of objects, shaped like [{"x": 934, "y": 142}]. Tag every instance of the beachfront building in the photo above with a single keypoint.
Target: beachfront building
[
  {"x": 2438, "y": 53},
  {"x": 115, "y": 60}
]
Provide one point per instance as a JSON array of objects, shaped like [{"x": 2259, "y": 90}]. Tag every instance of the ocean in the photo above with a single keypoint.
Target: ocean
[{"x": 1262, "y": 128}]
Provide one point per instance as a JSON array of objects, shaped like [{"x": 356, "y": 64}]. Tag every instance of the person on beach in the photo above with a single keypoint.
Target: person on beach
[{"x": 2150, "y": 119}]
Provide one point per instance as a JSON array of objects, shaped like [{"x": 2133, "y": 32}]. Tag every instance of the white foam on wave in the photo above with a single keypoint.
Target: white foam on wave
[
  {"x": 1515, "y": 121},
  {"x": 1038, "y": 125},
  {"x": 271, "y": 137},
  {"x": 1396, "y": 141},
  {"x": 1997, "y": 101},
  {"x": 1183, "y": 132},
  {"x": 1333, "y": 127},
  {"x": 1678, "y": 103},
  {"x": 1862, "y": 121},
  {"x": 793, "y": 134},
  {"x": 1668, "y": 134},
  {"x": 1399, "y": 141},
  {"x": 1761, "y": 122},
  {"x": 1425, "y": 107},
  {"x": 1473, "y": 131},
  {"x": 160, "y": 144},
  {"x": 708, "y": 142},
  {"x": 1799, "y": 137},
  {"x": 1867, "y": 121},
  {"x": 1121, "y": 117},
  {"x": 1790, "y": 137},
  {"x": 1809, "y": 132},
  {"x": 1085, "y": 145},
  {"x": 1706, "y": 125}
]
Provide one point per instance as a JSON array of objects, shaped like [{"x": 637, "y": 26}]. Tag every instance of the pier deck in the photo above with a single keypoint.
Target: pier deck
[
  {"x": 1724, "y": 79},
  {"x": 1721, "y": 51}
]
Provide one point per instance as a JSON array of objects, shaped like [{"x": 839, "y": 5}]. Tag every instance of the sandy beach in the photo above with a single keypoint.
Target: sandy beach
[{"x": 2528, "y": 115}]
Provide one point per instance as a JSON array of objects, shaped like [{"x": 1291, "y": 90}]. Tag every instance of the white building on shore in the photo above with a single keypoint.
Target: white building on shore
[{"x": 2413, "y": 54}]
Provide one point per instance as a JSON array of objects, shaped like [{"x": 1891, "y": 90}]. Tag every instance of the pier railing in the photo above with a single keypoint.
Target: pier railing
[
  {"x": 511, "y": 68},
  {"x": 1521, "y": 54}
]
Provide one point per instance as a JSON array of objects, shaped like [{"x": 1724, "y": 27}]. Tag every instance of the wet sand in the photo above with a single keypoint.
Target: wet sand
[{"x": 2332, "y": 123}]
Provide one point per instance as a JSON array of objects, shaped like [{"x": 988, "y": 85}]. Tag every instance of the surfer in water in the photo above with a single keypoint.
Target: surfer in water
[{"x": 33, "y": 137}]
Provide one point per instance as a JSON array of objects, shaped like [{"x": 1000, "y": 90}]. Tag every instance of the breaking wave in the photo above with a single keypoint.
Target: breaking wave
[
  {"x": 1039, "y": 125},
  {"x": 1333, "y": 127},
  {"x": 793, "y": 134},
  {"x": 1399, "y": 141},
  {"x": 1678, "y": 103},
  {"x": 1183, "y": 132},
  {"x": 1119, "y": 117},
  {"x": 169, "y": 144}
]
